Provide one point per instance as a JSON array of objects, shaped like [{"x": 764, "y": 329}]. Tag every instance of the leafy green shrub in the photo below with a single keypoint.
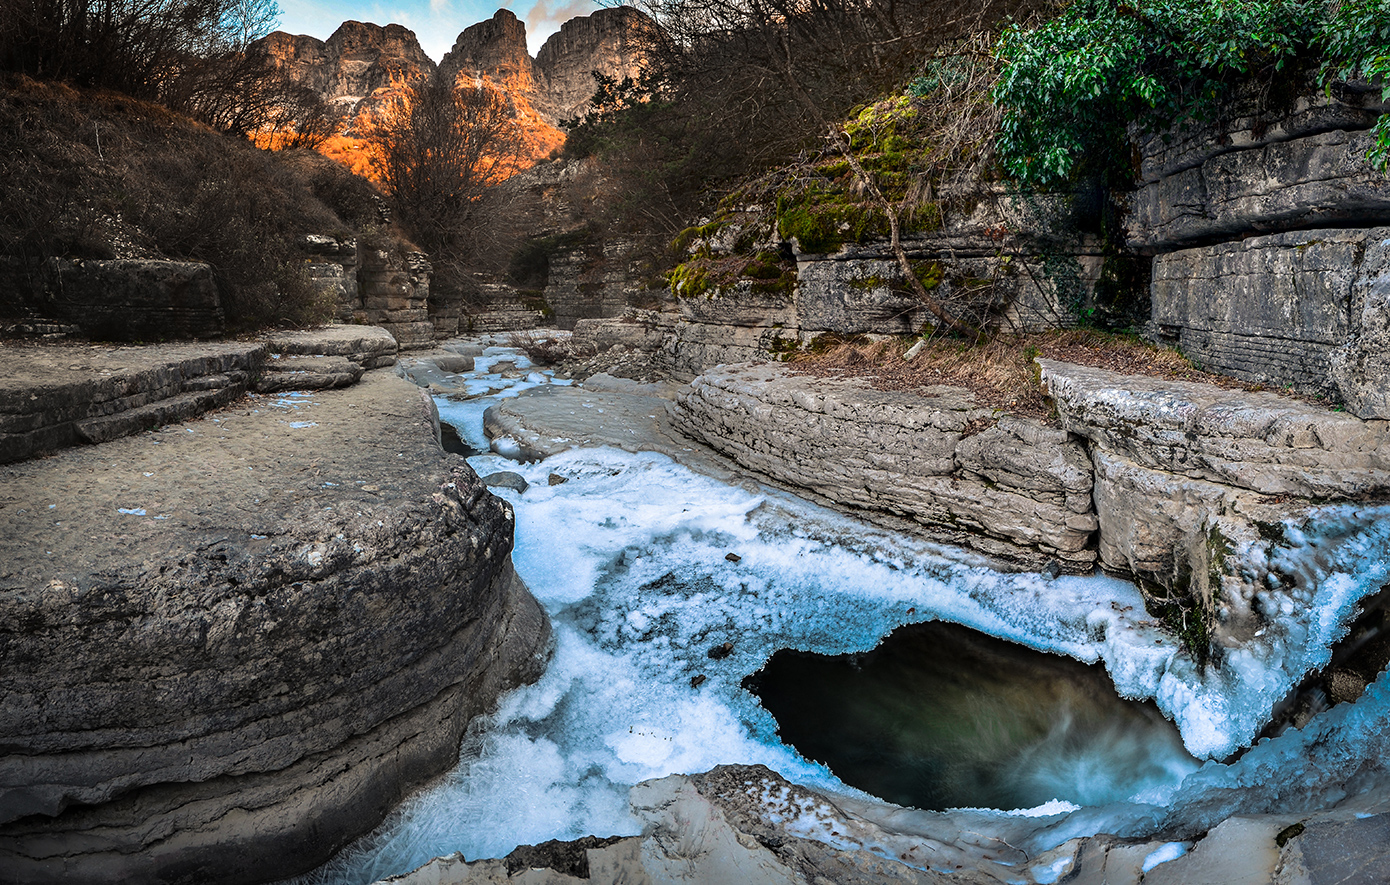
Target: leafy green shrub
[
  {"x": 1069, "y": 87},
  {"x": 1357, "y": 40}
]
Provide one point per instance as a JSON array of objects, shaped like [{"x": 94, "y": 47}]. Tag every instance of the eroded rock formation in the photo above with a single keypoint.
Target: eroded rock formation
[
  {"x": 353, "y": 64},
  {"x": 1007, "y": 486},
  {"x": 1268, "y": 227},
  {"x": 361, "y": 61},
  {"x": 608, "y": 41},
  {"x": 244, "y": 646}
]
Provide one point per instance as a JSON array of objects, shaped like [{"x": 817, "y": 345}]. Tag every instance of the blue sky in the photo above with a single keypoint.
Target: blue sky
[{"x": 435, "y": 22}]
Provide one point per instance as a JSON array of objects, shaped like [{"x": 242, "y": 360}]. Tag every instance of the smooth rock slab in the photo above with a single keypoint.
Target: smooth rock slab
[
  {"x": 371, "y": 347},
  {"x": 57, "y": 396},
  {"x": 1261, "y": 442},
  {"x": 228, "y": 647},
  {"x": 931, "y": 456}
]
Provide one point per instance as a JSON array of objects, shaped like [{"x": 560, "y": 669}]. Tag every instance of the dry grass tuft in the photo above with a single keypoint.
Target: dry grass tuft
[
  {"x": 1001, "y": 372},
  {"x": 543, "y": 348}
]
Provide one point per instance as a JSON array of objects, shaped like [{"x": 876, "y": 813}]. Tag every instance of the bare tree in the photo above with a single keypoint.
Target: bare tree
[
  {"x": 439, "y": 149},
  {"x": 194, "y": 56}
]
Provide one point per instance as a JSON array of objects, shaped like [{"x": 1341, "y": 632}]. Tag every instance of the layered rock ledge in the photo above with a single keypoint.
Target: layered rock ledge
[
  {"x": 54, "y": 396},
  {"x": 1007, "y": 486},
  {"x": 229, "y": 646},
  {"x": 1188, "y": 488}
]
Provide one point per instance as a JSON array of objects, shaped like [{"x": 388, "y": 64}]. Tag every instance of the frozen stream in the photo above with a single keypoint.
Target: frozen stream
[{"x": 644, "y": 567}]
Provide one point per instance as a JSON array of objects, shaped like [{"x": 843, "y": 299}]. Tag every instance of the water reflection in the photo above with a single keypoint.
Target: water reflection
[{"x": 941, "y": 716}]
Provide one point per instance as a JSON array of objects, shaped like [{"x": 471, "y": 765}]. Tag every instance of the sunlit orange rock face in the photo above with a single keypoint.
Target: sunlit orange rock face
[
  {"x": 363, "y": 66},
  {"x": 492, "y": 54}
]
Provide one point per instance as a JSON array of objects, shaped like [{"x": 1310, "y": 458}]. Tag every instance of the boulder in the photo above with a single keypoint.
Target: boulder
[{"x": 249, "y": 642}]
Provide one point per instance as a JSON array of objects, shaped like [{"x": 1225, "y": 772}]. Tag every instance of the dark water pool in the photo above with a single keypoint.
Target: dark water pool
[{"x": 941, "y": 716}]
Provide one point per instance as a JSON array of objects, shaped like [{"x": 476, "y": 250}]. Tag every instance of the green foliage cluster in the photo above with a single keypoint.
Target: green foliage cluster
[
  {"x": 823, "y": 218},
  {"x": 1069, "y": 87},
  {"x": 767, "y": 273}
]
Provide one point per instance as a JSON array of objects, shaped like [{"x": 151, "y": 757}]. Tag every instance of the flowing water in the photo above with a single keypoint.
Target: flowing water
[{"x": 657, "y": 628}]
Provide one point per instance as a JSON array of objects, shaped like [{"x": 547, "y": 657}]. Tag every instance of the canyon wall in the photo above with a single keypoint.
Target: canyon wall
[
  {"x": 1268, "y": 233},
  {"x": 356, "y": 63},
  {"x": 361, "y": 62}
]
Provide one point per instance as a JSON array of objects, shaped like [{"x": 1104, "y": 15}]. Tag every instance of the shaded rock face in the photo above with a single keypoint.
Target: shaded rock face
[
  {"x": 381, "y": 282},
  {"x": 1012, "y": 488},
  {"x": 129, "y": 299},
  {"x": 1282, "y": 310},
  {"x": 606, "y": 41},
  {"x": 229, "y": 687},
  {"x": 1266, "y": 226}
]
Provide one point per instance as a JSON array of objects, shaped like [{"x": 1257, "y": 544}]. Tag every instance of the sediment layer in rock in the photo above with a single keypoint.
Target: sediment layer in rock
[
  {"x": 1005, "y": 486},
  {"x": 230, "y": 646}
]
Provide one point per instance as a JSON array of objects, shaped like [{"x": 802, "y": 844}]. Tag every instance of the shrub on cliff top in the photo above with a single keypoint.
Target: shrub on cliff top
[{"x": 1069, "y": 87}]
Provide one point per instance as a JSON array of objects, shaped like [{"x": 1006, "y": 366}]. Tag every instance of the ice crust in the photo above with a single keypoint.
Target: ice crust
[{"x": 628, "y": 556}]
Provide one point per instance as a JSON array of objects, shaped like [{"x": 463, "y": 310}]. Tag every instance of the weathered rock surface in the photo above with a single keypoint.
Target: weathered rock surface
[
  {"x": 1272, "y": 309},
  {"x": 606, "y": 41},
  {"x": 1250, "y": 119},
  {"x": 356, "y": 61},
  {"x": 370, "y": 347},
  {"x": 746, "y": 824},
  {"x": 134, "y": 299},
  {"x": 1323, "y": 180},
  {"x": 57, "y": 396},
  {"x": 1260, "y": 442},
  {"x": 1360, "y": 368},
  {"x": 1195, "y": 487},
  {"x": 230, "y": 646},
  {"x": 1009, "y": 487},
  {"x": 598, "y": 335},
  {"x": 1267, "y": 223}
]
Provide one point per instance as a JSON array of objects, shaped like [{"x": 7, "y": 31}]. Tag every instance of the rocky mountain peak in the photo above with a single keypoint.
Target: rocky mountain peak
[
  {"x": 607, "y": 41},
  {"x": 494, "y": 50},
  {"x": 356, "y": 61}
]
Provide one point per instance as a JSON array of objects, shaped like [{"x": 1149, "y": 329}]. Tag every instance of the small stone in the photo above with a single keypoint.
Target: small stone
[
  {"x": 720, "y": 652},
  {"x": 733, "y": 557},
  {"x": 697, "y": 681},
  {"x": 555, "y": 479},
  {"x": 1053, "y": 569},
  {"x": 506, "y": 479}
]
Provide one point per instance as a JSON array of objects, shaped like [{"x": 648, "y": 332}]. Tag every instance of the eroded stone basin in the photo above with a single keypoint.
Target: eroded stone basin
[{"x": 941, "y": 716}]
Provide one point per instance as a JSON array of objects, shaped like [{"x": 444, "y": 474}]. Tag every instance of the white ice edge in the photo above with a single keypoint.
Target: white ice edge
[{"x": 549, "y": 765}]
